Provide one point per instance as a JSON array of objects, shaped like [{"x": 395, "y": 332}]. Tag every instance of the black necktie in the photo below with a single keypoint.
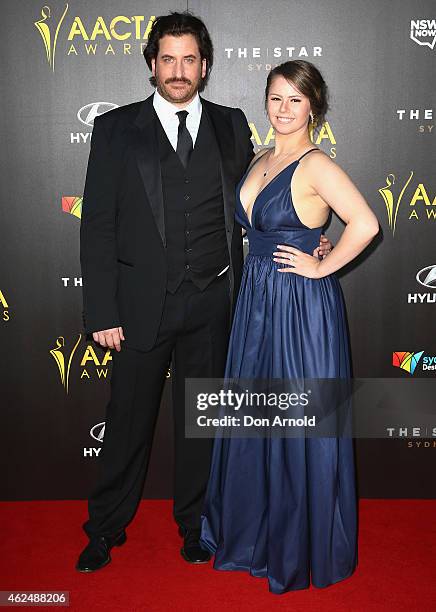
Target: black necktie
[{"x": 184, "y": 140}]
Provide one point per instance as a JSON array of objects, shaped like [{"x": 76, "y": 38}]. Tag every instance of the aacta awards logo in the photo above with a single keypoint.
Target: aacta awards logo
[
  {"x": 49, "y": 31},
  {"x": 319, "y": 137},
  {"x": 4, "y": 307},
  {"x": 421, "y": 206},
  {"x": 84, "y": 38},
  {"x": 91, "y": 367}
]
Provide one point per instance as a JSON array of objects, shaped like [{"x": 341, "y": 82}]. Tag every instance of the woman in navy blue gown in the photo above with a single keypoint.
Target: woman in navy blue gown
[{"x": 286, "y": 508}]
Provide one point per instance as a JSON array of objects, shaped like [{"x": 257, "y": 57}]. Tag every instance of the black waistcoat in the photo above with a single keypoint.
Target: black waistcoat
[{"x": 194, "y": 210}]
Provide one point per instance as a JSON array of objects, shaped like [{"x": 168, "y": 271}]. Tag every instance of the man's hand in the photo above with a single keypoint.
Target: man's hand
[
  {"x": 324, "y": 248},
  {"x": 110, "y": 338}
]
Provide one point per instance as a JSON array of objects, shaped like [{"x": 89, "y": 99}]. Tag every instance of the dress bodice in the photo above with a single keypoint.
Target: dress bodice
[{"x": 274, "y": 219}]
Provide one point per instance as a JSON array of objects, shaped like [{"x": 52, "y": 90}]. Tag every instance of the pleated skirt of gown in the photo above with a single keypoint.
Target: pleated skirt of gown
[{"x": 284, "y": 508}]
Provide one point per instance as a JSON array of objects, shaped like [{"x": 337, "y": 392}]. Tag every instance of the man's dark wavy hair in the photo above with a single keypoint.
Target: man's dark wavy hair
[{"x": 177, "y": 24}]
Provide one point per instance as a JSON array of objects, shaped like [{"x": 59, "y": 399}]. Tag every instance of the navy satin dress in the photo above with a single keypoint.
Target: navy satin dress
[{"x": 283, "y": 508}]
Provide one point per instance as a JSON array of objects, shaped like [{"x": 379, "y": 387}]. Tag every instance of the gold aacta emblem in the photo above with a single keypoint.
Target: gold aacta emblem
[
  {"x": 388, "y": 197},
  {"x": 45, "y": 27},
  {"x": 58, "y": 355}
]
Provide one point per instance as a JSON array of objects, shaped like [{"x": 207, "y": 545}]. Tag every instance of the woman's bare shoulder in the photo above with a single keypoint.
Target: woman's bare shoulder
[
  {"x": 319, "y": 162},
  {"x": 316, "y": 157}
]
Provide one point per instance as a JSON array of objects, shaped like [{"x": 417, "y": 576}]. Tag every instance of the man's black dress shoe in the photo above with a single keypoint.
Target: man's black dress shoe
[
  {"x": 97, "y": 554},
  {"x": 191, "y": 550}
]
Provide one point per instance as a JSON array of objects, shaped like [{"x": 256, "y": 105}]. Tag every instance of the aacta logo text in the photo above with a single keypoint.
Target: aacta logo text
[
  {"x": 321, "y": 136},
  {"x": 427, "y": 278},
  {"x": 91, "y": 366},
  {"x": 84, "y": 36},
  {"x": 96, "y": 432},
  {"x": 4, "y": 307},
  {"x": 86, "y": 115},
  {"x": 422, "y": 203}
]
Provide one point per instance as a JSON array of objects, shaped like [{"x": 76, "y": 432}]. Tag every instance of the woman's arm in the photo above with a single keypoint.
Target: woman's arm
[
  {"x": 336, "y": 188},
  {"x": 361, "y": 225}
]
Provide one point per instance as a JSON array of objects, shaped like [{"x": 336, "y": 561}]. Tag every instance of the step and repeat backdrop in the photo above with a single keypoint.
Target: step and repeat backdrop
[{"x": 65, "y": 63}]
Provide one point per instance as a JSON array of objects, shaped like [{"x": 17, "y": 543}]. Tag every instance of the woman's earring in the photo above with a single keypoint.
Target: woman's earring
[{"x": 311, "y": 117}]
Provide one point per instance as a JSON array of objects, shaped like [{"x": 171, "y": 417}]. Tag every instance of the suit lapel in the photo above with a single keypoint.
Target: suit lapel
[
  {"x": 225, "y": 138},
  {"x": 147, "y": 156}
]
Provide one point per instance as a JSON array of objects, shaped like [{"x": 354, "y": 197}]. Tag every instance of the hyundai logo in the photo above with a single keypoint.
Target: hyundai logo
[
  {"x": 427, "y": 277},
  {"x": 89, "y": 112},
  {"x": 97, "y": 432}
]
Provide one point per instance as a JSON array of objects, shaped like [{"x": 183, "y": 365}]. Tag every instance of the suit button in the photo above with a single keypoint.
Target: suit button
[
  {"x": 187, "y": 267},
  {"x": 187, "y": 197},
  {"x": 187, "y": 232},
  {"x": 187, "y": 214},
  {"x": 188, "y": 250},
  {"x": 186, "y": 181}
]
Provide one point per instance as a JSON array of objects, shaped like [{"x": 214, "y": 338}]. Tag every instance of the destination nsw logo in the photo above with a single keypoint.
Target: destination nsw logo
[
  {"x": 72, "y": 205},
  {"x": 408, "y": 361}
]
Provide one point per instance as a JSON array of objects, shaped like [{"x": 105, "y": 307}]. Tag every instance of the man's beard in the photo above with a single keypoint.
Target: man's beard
[{"x": 165, "y": 91}]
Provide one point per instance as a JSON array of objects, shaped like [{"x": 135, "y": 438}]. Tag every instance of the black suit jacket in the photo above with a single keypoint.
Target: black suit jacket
[{"x": 122, "y": 236}]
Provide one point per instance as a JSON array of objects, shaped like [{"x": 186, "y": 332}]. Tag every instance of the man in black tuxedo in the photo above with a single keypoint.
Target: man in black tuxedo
[{"x": 161, "y": 263}]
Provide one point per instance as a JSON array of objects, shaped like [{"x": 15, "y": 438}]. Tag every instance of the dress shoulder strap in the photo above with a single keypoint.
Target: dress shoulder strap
[{"x": 304, "y": 154}]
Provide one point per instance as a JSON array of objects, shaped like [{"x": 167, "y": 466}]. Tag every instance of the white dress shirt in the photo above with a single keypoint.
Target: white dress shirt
[{"x": 166, "y": 113}]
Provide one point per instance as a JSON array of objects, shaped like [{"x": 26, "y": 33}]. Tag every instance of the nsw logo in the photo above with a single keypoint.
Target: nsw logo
[{"x": 423, "y": 32}]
